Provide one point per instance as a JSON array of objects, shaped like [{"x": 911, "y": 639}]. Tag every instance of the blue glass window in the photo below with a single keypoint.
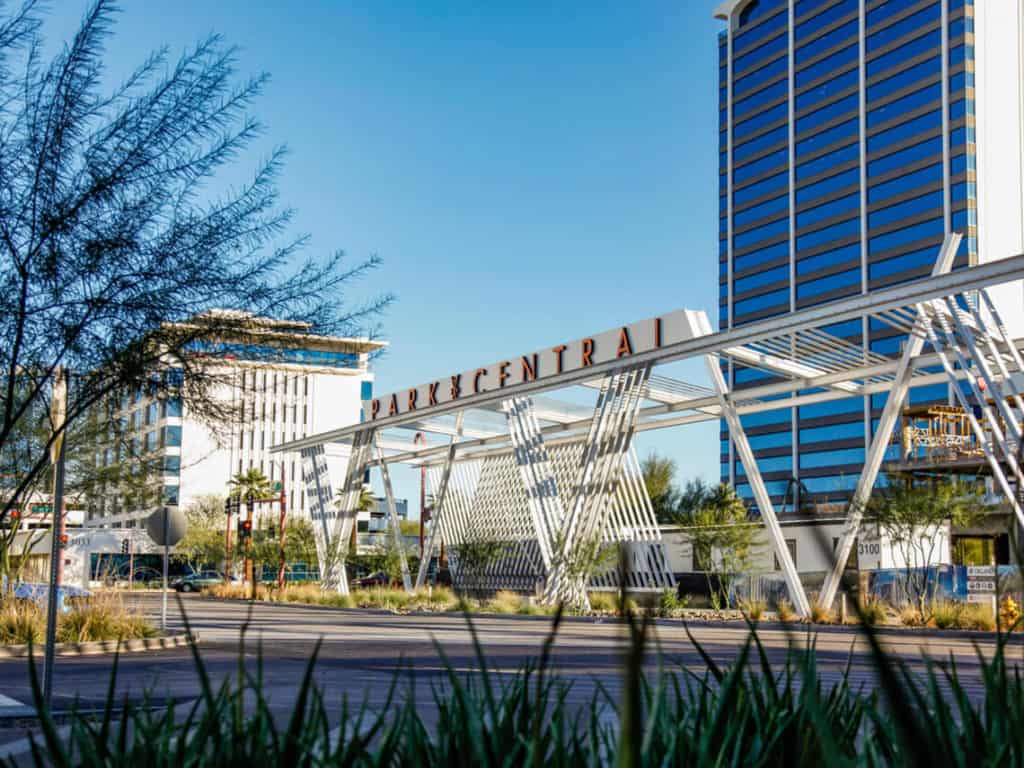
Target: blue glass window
[
  {"x": 762, "y": 255},
  {"x": 752, "y": 57},
  {"x": 779, "y": 182},
  {"x": 961, "y": 108},
  {"x": 906, "y": 209},
  {"x": 820, "y": 93},
  {"x": 847, "y": 130},
  {"x": 767, "y": 277},
  {"x": 775, "y": 298},
  {"x": 758, "y": 9},
  {"x": 961, "y": 136},
  {"x": 758, "y": 167},
  {"x": 887, "y": 10},
  {"x": 826, "y": 41},
  {"x": 901, "y": 263},
  {"x": 723, "y": 205},
  {"x": 771, "y": 464},
  {"x": 273, "y": 354},
  {"x": 848, "y": 253},
  {"x": 747, "y": 38},
  {"x": 771, "y": 440},
  {"x": 963, "y": 219},
  {"x": 827, "y": 162},
  {"x": 742, "y": 375},
  {"x": 931, "y": 14},
  {"x": 964, "y": 191},
  {"x": 904, "y": 157},
  {"x": 172, "y": 407},
  {"x": 929, "y": 175},
  {"x": 171, "y": 495},
  {"x": 764, "y": 418},
  {"x": 848, "y": 279},
  {"x": 828, "y": 234},
  {"x": 848, "y": 329},
  {"x": 826, "y": 113},
  {"x": 172, "y": 465},
  {"x": 756, "y": 235},
  {"x": 759, "y": 121},
  {"x": 904, "y": 52},
  {"x": 958, "y": 27},
  {"x": 837, "y": 62},
  {"x": 760, "y": 75},
  {"x": 905, "y": 236},
  {"x": 897, "y": 133},
  {"x": 849, "y": 203},
  {"x": 171, "y": 436},
  {"x": 151, "y": 443},
  {"x": 832, "y": 407},
  {"x": 760, "y": 211},
  {"x": 928, "y": 68},
  {"x": 741, "y": 152},
  {"x": 890, "y": 346},
  {"x": 765, "y": 95},
  {"x": 960, "y": 81},
  {"x": 905, "y": 104},
  {"x": 832, "y": 458},
  {"x": 366, "y": 390},
  {"x": 823, "y": 19},
  {"x": 828, "y": 186},
  {"x": 850, "y": 431},
  {"x": 831, "y": 484}
]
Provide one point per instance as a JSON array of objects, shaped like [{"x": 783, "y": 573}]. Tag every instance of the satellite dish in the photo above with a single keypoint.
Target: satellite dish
[{"x": 167, "y": 526}]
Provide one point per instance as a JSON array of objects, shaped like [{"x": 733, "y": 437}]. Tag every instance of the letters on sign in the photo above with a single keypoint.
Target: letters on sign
[{"x": 616, "y": 344}]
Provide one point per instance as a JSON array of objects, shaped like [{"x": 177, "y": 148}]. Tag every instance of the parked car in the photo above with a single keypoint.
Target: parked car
[
  {"x": 378, "y": 579},
  {"x": 193, "y": 582}
]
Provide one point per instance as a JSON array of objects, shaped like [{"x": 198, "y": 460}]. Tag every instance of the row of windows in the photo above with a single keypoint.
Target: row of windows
[
  {"x": 764, "y": 96},
  {"x": 827, "y": 113},
  {"x": 760, "y": 120},
  {"x": 819, "y": 45},
  {"x": 840, "y": 82},
  {"x": 758, "y": 144},
  {"x": 930, "y": 174},
  {"x": 746, "y": 40},
  {"x": 927, "y": 68},
  {"x": 777, "y": 205},
  {"x": 767, "y": 277},
  {"x": 846, "y": 130},
  {"x": 779, "y": 181},
  {"x": 904, "y": 131},
  {"x": 830, "y": 15},
  {"x": 915, "y": 206},
  {"x": 764, "y": 232},
  {"x": 841, "y": 255},
  {"x": 765, "y": 300},
  {"x": 846, "y": 204},
  {"x": 828, "y": 186},
  {"x": 912, "y": 48},
  {"x": 835, "y": 62},
  {"x": 849, "y": 279},
  {"x": 901, "y": 106},
  {"x": 761, "y": 75},
  {"x": 931, "y": 14},
  {"x": 746, "y": 60}
]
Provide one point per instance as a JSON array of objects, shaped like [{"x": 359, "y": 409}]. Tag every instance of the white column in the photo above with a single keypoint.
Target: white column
[{"x": 396, "y": 526}]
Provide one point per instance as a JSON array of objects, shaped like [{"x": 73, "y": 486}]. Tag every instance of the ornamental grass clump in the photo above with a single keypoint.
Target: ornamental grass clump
[{"x": 756, "y": 711}]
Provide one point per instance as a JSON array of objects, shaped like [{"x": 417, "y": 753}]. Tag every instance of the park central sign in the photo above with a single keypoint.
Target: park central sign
[{"x": 515, "y": 373}]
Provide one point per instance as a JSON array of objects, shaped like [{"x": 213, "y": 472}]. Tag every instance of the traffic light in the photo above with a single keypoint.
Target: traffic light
[
  {"x": 244, "y": 530},
  {"x": 124, "y": 546},
  {"x": 228, "y": 506}
]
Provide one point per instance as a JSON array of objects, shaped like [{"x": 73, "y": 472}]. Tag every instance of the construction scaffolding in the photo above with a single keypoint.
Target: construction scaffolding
[{"x": 546, "y": 482}]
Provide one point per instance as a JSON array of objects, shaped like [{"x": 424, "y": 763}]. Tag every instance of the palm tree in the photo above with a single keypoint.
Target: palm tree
[
  {"x": 251, "y": 486},
  {"x": 366, "y": 502}
]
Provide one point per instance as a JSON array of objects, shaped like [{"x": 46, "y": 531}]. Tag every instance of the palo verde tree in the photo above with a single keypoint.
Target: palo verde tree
[
  {"x": 659, "y": 475},
  {"x": 915, "y": 518},
  {"x": 115, "y": 233},
  {"x": 718, "y": 525}
]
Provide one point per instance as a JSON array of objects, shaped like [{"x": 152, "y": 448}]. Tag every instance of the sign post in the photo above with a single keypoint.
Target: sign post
[
  {"x": 58, "y": 414},
  {"x": 981, "y": 585},
  {"x": 166, "y": 527}
]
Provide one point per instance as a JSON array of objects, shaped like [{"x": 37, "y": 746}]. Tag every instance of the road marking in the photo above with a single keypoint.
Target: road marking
[{"x": 7, "y": 701}]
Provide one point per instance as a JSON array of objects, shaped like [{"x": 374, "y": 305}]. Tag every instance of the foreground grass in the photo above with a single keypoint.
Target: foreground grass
[
  {"x": 749, "y": 713},
  {"x": 103, "y": 617}
]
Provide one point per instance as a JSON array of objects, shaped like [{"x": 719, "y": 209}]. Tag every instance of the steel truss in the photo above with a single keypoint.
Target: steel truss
[{"x": 546, "y": 479}]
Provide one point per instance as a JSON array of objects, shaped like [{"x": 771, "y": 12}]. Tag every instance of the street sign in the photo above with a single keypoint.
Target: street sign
[
  {"x": 981, "y": 597},
  {"x": 277, "y": 486},
  {"x": 170, "y": 533},
  {"x": 981, "y": 586},
  {"x": 981, "y": 572},
  {"x": 40, "y": 509}
]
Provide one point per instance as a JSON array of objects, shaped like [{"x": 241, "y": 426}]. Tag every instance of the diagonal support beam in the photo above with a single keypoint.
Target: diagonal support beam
[
  {"x": 880, "y": 440},
  {"x": 396, "y": 526},
  {"x": 332, "y": 560},
  {"x": 764, "y": 503},
  {"x": 440, "y": 501}
]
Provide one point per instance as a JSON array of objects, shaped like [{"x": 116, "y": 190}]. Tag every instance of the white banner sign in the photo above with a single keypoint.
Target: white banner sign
[{"x": 517, "y": 371}]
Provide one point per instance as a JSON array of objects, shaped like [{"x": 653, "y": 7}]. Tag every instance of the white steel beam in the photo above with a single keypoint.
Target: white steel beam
[
  {"x": 440, "y": 500},
  {"x": 753, "y": 473},
  {"x": 396, "y": 525},
  {"x": 880, "y": 440}
]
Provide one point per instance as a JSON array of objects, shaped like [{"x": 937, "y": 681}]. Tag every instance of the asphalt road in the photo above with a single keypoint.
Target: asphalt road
[{"x": 362, "y": 651}]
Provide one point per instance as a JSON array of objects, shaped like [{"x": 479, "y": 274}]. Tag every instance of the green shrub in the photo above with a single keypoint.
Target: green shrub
[
  {"x": 101, "y": 617},
  {"x": 874, "y": 611},
  {"x": 603, "y": 601},
  {"x": 784, "y": 610},
  {"x": 978, "y": 616},
  {"x": 946, "y": 614},
  {"x": 753, "y": 609}
]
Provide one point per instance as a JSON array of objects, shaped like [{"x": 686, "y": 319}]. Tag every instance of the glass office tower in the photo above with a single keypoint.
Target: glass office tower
[{"x": 854, "y": 134}]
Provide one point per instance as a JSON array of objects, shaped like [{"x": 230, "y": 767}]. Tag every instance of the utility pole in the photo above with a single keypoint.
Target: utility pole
[
  {"x": 250, "y": 502},
  {"x": 229, "y": 504},
  {"x": 58, "y": 417},
  {"x": 281, "y": 567}
]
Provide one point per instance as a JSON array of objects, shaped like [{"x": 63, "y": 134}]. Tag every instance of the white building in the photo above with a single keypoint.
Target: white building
[{"x": 283, "y": 382}]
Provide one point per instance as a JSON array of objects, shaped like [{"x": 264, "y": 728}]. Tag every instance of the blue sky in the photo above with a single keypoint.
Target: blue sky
[{"x": 529, "y": 172}]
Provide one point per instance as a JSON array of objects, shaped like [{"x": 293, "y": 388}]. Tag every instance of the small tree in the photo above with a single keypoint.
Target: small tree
[
  {"x": 721, "y": 533},
  {"x": 203, "y": 542},
  {"x": 474, "y": 557},
  {"x": 659, "y": 473},
  {"x": 588, "y": 557},
  {"x": 913, "y": 517}
]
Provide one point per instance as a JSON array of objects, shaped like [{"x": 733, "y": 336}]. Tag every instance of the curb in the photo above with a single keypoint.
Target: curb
[{"x": 102, "y": 646}]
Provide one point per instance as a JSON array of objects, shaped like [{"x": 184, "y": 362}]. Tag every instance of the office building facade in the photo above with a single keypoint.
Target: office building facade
[
  {"x": 854, "y": 135},
  {"x": 283, "y": 383}
]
